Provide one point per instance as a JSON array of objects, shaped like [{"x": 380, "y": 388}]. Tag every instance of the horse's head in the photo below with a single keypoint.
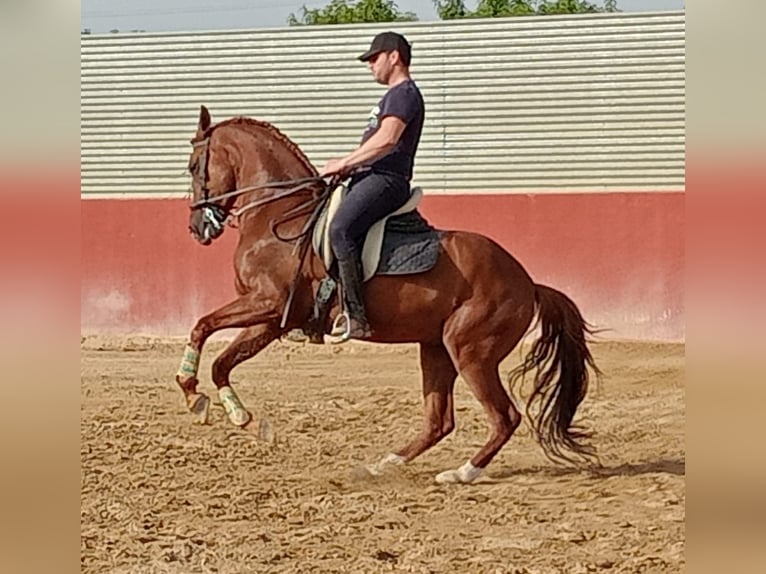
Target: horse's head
[
  {"x": 251, "y": 154},
  {"x": 212, "y": 176}
]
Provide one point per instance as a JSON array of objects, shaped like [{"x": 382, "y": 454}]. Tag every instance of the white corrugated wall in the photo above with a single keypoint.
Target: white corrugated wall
[{"x": 533, "y": 104}]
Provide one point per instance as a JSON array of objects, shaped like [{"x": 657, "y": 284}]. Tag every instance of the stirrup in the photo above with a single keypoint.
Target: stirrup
[{"x": 341, "y": 329}]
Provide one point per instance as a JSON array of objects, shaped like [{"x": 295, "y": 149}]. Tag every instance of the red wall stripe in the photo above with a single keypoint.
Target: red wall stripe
[{"x": 620, "y": 256}]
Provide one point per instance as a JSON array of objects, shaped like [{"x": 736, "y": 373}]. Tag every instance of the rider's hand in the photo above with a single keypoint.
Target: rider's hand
[{"x": 334, "y": 167}]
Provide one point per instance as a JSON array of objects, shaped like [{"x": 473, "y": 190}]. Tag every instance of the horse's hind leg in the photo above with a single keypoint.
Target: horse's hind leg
[
  {"x": 439, "y": 376},
  {"x": 484, "y": 381},
  {"x": 477, "y": 342}
]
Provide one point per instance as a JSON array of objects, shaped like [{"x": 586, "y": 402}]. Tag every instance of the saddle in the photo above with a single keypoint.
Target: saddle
[
  {"x": 402, "y": 243},
  {"x": 376, "y": 260}
]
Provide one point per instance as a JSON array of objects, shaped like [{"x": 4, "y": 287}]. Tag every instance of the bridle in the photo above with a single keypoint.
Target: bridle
[{"x": 215, "y": 215}]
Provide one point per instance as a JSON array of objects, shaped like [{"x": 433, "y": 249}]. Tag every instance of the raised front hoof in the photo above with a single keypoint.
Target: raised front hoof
[{"x": 199, "y": 406}]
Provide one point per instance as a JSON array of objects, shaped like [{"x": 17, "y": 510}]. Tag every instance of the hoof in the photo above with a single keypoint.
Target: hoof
[
  {"x": 262, "y": 431},
  {"x": 199, "y": 406},
  {"x": 466, "y": 474},
  {"x": 265, "y": 432}
]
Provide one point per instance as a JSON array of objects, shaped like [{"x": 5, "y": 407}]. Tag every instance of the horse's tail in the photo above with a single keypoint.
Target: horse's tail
[{"x": 561, "y": 359}]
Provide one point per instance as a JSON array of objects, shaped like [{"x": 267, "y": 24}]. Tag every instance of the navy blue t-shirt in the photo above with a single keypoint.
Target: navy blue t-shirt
[{"x": 405, "y": 102}]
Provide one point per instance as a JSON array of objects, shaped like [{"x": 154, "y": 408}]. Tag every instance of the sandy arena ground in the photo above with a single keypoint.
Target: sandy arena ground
[{"x": 161, "y": 494}]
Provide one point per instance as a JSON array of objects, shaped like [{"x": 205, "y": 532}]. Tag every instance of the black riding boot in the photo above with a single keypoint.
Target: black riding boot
[{"x": 352, "y": 284}]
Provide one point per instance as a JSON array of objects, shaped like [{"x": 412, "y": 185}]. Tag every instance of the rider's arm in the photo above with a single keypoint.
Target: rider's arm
[{"x": 378, "y": 145}]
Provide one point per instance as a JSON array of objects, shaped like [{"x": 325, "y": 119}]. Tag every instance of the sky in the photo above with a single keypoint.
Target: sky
[{"x": 101, "y": 16}]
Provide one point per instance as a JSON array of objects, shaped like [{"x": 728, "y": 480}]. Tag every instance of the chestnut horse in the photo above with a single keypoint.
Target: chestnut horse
[{"x": 467, "y": 313}]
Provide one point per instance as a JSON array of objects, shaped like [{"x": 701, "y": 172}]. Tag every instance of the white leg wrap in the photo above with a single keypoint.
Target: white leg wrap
[
  {"x": 189, "y": 363},
  {"x": 233, "y": 406},
  {"x": 463, "y": 475}
]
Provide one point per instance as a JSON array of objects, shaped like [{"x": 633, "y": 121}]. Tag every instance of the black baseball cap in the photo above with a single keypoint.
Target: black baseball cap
[{"x": 389, "y": 42}]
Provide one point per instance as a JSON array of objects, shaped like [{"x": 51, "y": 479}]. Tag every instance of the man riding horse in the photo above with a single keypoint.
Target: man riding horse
[{"x": 380, "y": 169}]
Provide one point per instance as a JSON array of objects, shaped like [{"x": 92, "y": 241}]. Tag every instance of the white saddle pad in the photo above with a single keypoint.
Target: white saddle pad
[{"x": 372, "y": 243}]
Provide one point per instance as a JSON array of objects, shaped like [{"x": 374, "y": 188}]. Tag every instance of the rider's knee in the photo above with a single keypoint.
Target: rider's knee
[{"x": 339, "y": 238}]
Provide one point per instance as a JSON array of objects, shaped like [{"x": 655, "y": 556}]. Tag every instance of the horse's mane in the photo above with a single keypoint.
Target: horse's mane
[{"x": 274, "y": 131}]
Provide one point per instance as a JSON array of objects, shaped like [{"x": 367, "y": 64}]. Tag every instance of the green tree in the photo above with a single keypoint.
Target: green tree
[
  {"x": 455, "y": 9},
  {"x": 566, "y": 7},
  {"x": 450, "y": 9},
  {"x": 349, "y": 12},
  {"x": 496, "y": 8}
]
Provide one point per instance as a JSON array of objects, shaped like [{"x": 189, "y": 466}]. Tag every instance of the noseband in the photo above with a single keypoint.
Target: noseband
[{"x": 213, "y": 216}]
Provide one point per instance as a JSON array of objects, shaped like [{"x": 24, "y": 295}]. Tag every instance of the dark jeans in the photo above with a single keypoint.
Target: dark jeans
[{"x": 371, "y": 197}]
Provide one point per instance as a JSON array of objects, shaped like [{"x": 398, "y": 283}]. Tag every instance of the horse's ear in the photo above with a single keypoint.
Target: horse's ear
[{"x": 204, "y": 121}]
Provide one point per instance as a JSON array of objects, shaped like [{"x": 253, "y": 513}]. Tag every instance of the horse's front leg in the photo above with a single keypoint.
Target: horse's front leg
[
  {"x": 247, "y": 344},
  {"x": 248, "y": 310}
]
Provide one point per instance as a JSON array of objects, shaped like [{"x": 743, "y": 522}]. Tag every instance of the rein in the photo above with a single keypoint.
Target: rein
[
  {"x": 298, "y": 184},
  {"x": 313, "y": 206}
]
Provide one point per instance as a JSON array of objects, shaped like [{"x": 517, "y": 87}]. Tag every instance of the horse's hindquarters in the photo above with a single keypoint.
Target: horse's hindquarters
[{"x": 473, "y": 277}]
